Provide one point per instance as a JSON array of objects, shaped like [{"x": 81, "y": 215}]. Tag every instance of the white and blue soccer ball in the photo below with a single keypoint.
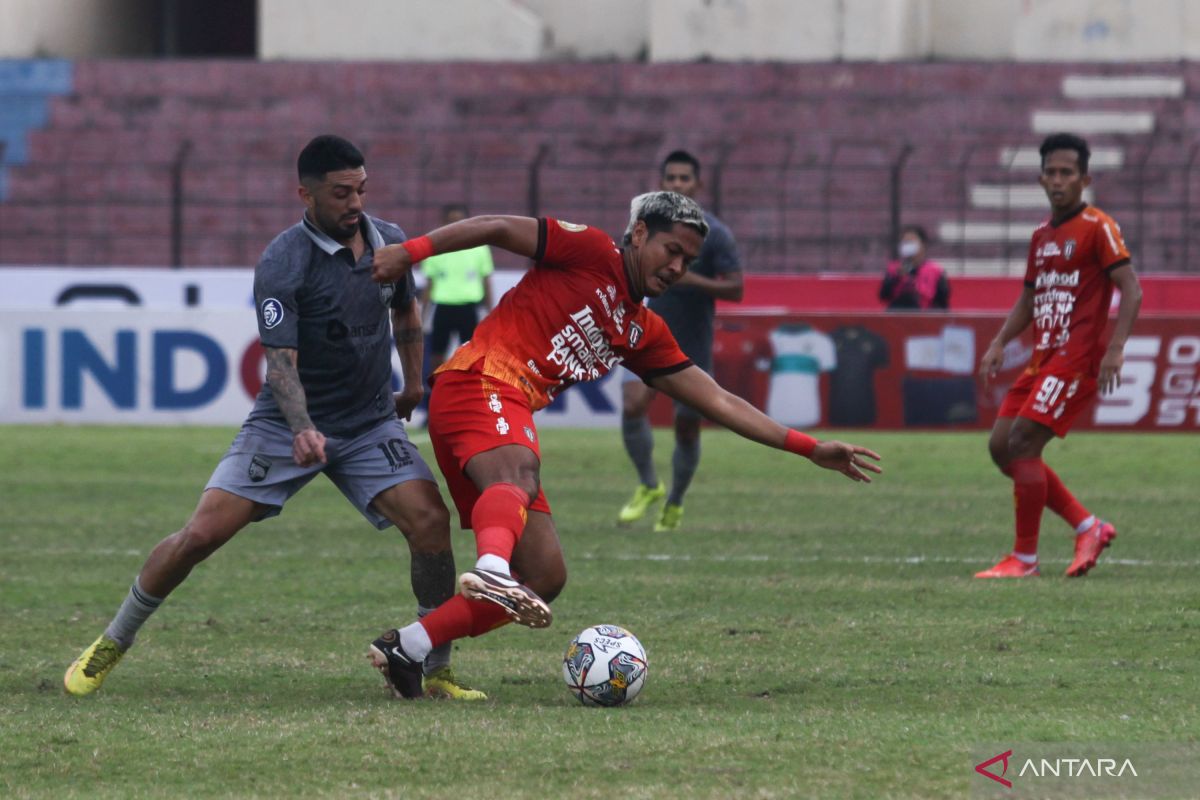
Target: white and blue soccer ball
[{"x": 605, "y": 665}]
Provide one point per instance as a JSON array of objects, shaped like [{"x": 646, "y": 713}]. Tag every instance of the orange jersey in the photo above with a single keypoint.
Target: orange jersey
[
  {"x": 1068, "y": 269},
  {"x": 570, "y": 319}
]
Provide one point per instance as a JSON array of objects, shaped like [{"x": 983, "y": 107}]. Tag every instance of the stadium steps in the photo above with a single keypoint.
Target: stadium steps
[
  {"x": 1133, "y": 126},
  {"x": 25, "y": 89}
]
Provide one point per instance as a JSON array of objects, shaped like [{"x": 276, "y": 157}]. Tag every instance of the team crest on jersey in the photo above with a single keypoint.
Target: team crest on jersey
[
  {"x": 529, "y": 434},
  {"x": 259, "y": 467},
  {"x": 571, "y": 226},
  {"x": 386, "y": 292},
  {"x": 1069, "y": 249},
  {"x": 635, "y": 334},
  {"x": 272, "y": 312}
]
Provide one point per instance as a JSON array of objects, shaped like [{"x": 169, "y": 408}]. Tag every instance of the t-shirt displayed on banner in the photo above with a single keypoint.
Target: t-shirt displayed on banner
[
  {"x": 951, "y": 351},
  {"x": 801, "y": 354},
  {"x": 860, "y": 352}
]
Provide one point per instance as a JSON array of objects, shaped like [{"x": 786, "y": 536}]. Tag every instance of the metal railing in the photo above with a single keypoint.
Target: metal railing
[{"x": 811, "y": 206}]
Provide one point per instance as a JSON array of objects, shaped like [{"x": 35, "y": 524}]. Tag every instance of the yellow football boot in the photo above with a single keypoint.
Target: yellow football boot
[
  {"x": 442, "y": 683},
  {"x": 87, "y": 672}
]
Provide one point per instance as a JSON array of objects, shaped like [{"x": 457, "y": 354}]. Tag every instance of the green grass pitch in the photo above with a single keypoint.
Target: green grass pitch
[{"x": 807, "y": 636}]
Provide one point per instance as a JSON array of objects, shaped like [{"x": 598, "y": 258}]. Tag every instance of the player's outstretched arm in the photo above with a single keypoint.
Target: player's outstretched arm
[
  {"x": 515, "y": 234},
  {"x": 1018, "y": 320},
  {"x": 696, "y": 388}
]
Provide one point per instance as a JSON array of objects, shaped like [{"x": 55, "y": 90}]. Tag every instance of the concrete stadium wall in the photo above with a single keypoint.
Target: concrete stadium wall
[
  {"x": 73, "y": 29},
  {"x": 631, "y": 30}
]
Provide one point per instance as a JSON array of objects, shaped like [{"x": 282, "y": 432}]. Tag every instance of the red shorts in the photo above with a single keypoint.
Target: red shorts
[
  {"x": 470, "y": 413},
  {"x": 1049, "y": 398}
]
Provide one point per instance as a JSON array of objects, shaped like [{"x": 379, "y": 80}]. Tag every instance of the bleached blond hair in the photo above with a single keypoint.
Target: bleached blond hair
[{"x": 661, "y": 210}]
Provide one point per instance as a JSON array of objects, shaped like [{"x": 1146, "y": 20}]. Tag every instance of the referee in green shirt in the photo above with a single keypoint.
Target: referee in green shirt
[{"x": 458, "y": 285}]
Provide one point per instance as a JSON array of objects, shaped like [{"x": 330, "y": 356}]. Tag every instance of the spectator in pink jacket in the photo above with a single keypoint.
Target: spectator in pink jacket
[{"x": 914, "y": 282}]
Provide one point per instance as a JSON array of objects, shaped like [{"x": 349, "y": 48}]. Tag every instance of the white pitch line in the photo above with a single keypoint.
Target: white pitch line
[
  {"x": 906, "y": 560},
  {"x": 680, "y": 557}
]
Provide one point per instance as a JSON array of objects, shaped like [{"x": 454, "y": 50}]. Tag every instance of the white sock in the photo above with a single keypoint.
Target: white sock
[
  {"x": 1024, "y": 558},
  {"x": 1086, "y": 525},
  {"x": 493, "y": 563},
  {"x": 415, "y": 641}
]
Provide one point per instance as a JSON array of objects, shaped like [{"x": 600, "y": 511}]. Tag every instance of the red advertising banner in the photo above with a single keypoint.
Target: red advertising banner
[{"x": 903, "y": 370}]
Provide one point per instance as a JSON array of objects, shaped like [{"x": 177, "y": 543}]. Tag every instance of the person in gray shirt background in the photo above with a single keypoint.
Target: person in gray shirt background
[
  {"x": 327, "y": 406},
  {"x": 688, "y": 308}
]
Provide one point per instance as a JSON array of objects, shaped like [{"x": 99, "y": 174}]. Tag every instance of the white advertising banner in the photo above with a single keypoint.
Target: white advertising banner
[
  {"x": 187, "y": 366},
  {"x": 147, "y": 287}
]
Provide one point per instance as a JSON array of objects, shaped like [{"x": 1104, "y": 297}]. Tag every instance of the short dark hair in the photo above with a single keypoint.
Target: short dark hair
[
  {"x": 681, "y": 157},
  {"x": 327, "y": 153},
  {"x": 919, "y": 230},
  {"x": 1066, "y": 141}
]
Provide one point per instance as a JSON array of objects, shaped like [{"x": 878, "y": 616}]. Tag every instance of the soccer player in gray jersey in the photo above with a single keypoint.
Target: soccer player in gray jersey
[
  {"x": 327, "y": 406},
  {"x": 688, "y": 307}
]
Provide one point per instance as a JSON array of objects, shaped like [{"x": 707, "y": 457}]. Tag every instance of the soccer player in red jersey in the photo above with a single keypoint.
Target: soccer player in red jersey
[
  {"x": 572, "y": 318},
  {"x": 1075, "y": 260}
]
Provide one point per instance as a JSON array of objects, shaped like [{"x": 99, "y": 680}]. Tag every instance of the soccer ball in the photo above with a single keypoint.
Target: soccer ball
[{"x": 605, "y": 665}]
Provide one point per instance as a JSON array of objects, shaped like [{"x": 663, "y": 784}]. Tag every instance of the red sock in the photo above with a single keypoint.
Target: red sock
[
  {"x": 1060, "y": 500},
  {"x": 1029, "y": 496},
  {"x": 498, "y": 519},
  {"x": 459, "y": 617}
]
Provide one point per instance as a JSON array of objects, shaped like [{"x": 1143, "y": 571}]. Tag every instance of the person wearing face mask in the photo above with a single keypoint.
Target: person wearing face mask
[{"x": 913, "y": 281}]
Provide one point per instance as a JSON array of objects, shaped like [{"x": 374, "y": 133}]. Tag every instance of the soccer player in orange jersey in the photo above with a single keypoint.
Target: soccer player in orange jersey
[
  {"x": 1075, "y": 260},
  {"x": 573, "y": 317}
]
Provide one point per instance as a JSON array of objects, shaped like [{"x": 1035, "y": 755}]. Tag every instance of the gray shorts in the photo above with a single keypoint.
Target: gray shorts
[{"x": 258, "y": 466}]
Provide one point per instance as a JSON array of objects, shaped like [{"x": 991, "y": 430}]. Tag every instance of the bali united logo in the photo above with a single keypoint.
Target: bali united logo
[
  {"x": 529, "y": 434},
  {"x": 1069, "y": 249},
  {"x": 635, "y": 334}
]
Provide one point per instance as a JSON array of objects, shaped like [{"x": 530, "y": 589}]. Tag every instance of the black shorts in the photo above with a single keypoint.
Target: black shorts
[{"x": 449, "y": 319}]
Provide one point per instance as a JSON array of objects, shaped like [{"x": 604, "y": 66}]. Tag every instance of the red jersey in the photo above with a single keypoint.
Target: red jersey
[
  {"x": 570, "y": 319},
  {"x": 1068, "y": 269}
]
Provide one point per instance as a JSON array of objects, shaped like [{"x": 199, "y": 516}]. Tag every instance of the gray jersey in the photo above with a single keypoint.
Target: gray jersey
[
  {"x": 689, "y": 311},
  {"x": 313, "y": 298}
]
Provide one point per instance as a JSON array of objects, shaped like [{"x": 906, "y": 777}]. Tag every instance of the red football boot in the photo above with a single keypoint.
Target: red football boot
[
  {"x": 1088, "y": 546},
  {"x": 1011, "y": 567}
]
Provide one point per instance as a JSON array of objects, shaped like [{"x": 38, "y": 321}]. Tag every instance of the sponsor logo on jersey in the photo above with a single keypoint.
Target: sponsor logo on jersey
[
  {"x": 502, "y": 426},
  {"x": 571, "y": 226},
  {"x": 494, "y": 403},
  {"x": 1050, "y": 280},
  {"x": 272, "y": 312},
  {"x": 1048, "y": 249}
]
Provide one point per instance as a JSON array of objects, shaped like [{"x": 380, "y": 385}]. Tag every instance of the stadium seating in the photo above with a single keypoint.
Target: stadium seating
[{"x": 806, "y": 162}]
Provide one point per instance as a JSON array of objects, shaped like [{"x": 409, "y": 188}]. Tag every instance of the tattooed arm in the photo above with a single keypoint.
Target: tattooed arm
[
  {"x": 406, "y": 331},
  {"x": 308, "y": 444}
]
